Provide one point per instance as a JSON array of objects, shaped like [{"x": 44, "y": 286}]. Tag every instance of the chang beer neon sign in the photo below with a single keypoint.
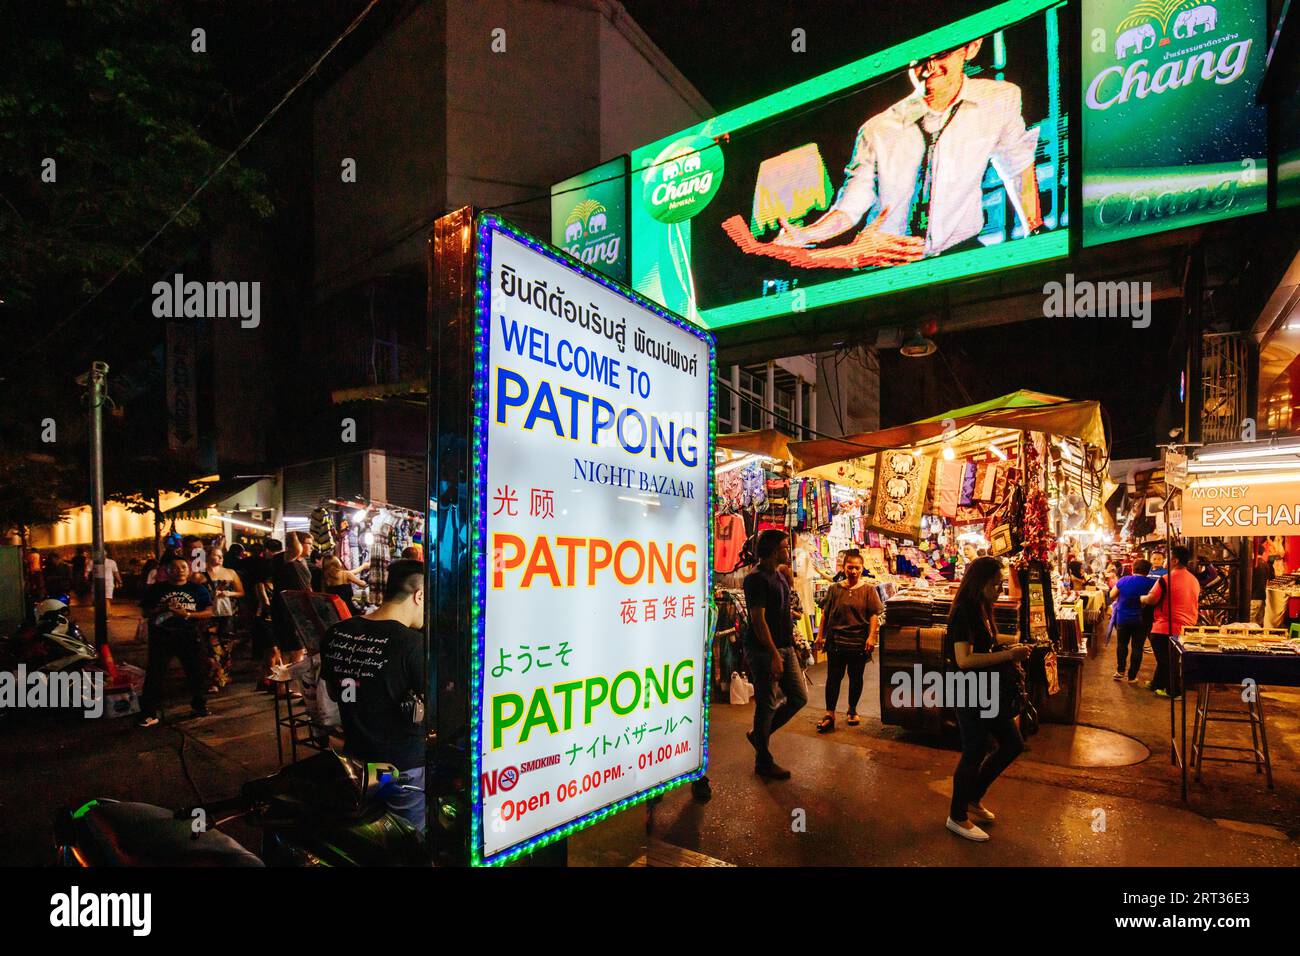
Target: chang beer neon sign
[
  {"x": 683, "y": 179},
  {"x": 590, "y": 236},
  {"x": 1172, "y": 134}
]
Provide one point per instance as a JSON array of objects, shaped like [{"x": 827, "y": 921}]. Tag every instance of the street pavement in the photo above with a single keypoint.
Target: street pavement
[
  {"x": 870, "y": 795},
  {"x": 877, "y": 796}
]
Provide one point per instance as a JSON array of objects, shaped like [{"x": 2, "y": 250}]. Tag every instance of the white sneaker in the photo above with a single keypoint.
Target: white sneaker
[{"x": 972, "y": 832}]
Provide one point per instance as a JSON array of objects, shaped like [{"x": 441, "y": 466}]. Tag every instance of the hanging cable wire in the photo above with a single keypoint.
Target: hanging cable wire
[{"x": 230, "y": 157}]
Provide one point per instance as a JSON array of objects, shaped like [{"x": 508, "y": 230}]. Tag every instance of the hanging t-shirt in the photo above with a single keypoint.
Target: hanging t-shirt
[{"x": 728, "y": 543}]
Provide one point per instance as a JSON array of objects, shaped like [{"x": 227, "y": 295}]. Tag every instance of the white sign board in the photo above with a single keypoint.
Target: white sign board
[{"x": 593, "y": 462}]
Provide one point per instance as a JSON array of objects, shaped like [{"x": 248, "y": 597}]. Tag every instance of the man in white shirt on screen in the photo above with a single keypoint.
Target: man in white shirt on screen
[{"x": 919, "y": 166}]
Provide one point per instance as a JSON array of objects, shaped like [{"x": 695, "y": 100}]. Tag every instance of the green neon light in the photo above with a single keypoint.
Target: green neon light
[{"x": 989, "y": 259}]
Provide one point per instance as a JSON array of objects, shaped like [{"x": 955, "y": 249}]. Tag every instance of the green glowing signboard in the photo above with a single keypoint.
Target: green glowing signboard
[
  {"x": 942, "y": 157},
  {"x": 589, "y": 217},
  {"x": 1172, "y": 133}
]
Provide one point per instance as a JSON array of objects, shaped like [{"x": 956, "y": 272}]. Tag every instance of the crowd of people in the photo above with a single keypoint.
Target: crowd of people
[
  {"x": 1151, "y": 604},
  {"x": 201, "y": 599}
]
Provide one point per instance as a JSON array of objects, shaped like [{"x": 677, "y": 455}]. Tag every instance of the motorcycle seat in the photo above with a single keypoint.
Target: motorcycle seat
[{"x": 141, "y": 834}]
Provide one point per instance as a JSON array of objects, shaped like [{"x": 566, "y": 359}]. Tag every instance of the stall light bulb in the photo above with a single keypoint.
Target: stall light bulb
[
  {"x": 998, "y": 452},
  {"x": 948, "y": 453},
  {"x": 370, "y": 539},
  {"x": 359, "y": 515}
]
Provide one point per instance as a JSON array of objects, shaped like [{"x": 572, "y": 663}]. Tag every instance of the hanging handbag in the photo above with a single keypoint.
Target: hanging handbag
[
  {"x": 223, "y": 606},
  {"x": 1005, "y": 525}
]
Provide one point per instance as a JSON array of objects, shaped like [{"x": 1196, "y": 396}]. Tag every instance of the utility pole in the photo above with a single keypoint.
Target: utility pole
[{"x": 97, "y": 393}]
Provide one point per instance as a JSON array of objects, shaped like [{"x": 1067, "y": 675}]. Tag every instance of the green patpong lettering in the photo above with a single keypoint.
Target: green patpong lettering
[{"x": 552, "y": 708}]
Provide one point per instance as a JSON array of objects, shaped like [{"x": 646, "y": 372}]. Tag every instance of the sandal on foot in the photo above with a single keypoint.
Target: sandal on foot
[
  {"x": 825, "y": 725},
  {"x": 853, "y": 720}
]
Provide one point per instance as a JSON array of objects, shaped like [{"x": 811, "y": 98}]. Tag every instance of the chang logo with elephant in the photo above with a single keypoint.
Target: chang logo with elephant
[
  {"x": 1173, "y": 134},
  {"x": 588, "y": 236},
  {"x": 589, "y": 217}
]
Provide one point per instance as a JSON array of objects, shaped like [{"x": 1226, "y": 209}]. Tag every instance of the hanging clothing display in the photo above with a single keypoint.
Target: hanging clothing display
[
  {"x": 899, "y": 494},
  {"x": 949, "y": 487},
  {"x": 729, "y": 537},
  {"x": 967, "y": 483},
  {"x": 321, "y": 526}
]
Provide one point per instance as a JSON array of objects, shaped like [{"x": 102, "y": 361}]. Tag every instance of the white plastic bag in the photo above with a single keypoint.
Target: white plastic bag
[{"x": 741, "y": 689}]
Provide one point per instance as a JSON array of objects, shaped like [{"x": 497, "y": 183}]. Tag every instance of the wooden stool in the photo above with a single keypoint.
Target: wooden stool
[{"x": 1254, "y": 716}]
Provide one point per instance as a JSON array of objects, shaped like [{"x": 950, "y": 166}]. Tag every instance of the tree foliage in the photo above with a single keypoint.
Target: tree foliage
[{"x": 134, "y": 120}]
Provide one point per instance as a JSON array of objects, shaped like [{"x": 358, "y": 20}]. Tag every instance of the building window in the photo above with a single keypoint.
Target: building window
[
  {"x": 752, "y": 389},
  {"x": 723, "y": 405},
  {"x": 783, "y": 405}
]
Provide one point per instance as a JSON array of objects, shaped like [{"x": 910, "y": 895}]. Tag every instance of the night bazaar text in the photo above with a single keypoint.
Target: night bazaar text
[{"x": 560, "y": 707}]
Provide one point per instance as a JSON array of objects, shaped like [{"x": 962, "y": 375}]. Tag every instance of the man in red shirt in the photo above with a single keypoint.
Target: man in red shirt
[{"x": 1176, "y": 598}]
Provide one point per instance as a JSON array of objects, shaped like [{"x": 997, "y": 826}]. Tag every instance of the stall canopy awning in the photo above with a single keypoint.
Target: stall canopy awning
[
  {"x": 768, "y": 441},
  {"x": 214, "y": 494},
  {"x": 1019, "y": 411}
]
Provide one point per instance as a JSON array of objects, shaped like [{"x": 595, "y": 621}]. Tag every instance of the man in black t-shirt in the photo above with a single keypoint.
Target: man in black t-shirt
[
  {"x": 172, "y": 606},
  {"x": 769, "y": 647},
  {"x": 374, "y": 668}
]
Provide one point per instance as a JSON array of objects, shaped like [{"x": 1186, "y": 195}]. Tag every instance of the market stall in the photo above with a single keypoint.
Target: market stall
[
  {"x": 1021, "y": 477},
  {"x": 756, "y": 488},
  {"x": 365, "y": 536}
]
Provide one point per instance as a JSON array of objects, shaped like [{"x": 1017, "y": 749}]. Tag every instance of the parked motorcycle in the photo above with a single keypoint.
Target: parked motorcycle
[
  {"x": 51, "y": 643},
  {"x": 325, "y": 810}
]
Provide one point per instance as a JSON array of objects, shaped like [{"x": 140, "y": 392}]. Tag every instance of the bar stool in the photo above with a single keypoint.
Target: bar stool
[
  {"x": 292, "y": 718},
  {"x": 1205, "y": 713}
]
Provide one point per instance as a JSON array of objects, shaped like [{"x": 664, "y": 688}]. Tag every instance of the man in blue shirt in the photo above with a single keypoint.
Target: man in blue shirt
[{"x": 1130, "y": 622}]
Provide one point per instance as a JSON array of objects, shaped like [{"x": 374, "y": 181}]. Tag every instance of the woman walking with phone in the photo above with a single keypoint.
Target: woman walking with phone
[{"x": 971, "y": 644}]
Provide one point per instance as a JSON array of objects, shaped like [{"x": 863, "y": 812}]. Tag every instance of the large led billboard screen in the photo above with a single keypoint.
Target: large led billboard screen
[{"x": 942, "y": 157}]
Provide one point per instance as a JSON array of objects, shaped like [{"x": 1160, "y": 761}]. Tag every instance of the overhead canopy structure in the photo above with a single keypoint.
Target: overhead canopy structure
[
  {"x": 767, "y": 441},
  {"x": 973, "y": 425},
  {"x": 850, "y": 460},
  {"x": 212, "y": 496}
]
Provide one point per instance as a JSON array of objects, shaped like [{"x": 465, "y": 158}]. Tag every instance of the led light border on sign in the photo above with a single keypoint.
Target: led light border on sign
[{"x": 486, "y": 226}]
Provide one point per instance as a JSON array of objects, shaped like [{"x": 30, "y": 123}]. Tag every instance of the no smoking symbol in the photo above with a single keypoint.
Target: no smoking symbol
[{"x": 509, "y": 777}]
